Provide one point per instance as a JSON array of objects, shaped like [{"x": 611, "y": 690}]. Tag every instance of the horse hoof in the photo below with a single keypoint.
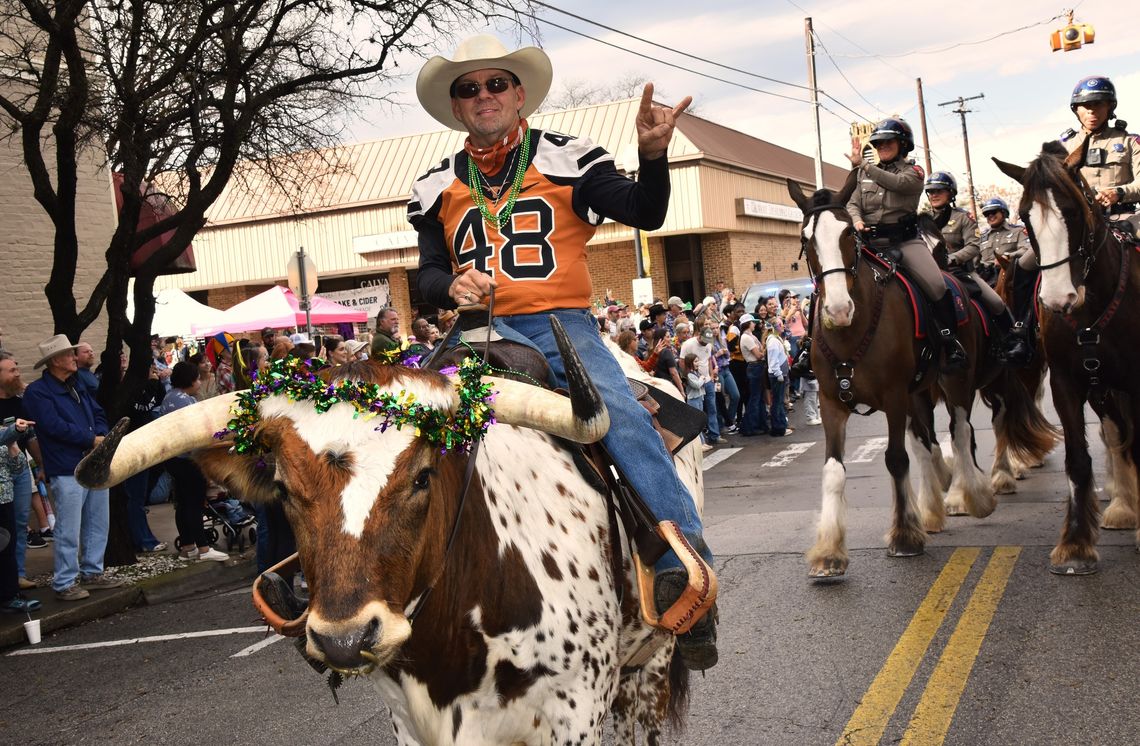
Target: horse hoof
[
  {"x": 1115, "y": 519},
  {"x": 904, "y": 552},
  {"x": 955, "y": 511},
  {"x": 831, "y": 572},
  {"x": 1074, "y": 567}
]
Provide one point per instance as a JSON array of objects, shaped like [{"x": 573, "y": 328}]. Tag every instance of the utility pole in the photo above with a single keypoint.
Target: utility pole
[
  {"x": 809, "y": 42},
  {"x": 922, "y": 121},
  {"x": 962, "y": 111}
]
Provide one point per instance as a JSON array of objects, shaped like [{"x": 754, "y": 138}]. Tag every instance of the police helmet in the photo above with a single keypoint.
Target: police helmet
[
  {"x": 1094, "y": 88},
  {"x": 894, "y": 129},
  {"x": 941, "y": 180},
  {"x": 993, "y": 205}
]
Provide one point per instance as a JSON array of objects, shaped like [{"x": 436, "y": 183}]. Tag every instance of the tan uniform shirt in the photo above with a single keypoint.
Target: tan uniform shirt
[
  {"x": 1008, "y": 239},
  {"x": 1121, "y": 166},
  {"x": 886, "y": 193},
  {"x": 961, "y": 236}
]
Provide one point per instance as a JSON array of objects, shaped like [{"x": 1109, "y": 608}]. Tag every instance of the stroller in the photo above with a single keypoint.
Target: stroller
[{"x": 238, "y": 524}]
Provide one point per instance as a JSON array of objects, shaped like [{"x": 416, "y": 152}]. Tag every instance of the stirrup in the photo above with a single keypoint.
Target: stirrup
[
  {"x": 281, "y": 625},
  {"x": 697, "y": 599}
]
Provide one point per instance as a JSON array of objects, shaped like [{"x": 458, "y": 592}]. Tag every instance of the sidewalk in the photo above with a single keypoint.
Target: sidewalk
[{"x": 184, "y": 580}]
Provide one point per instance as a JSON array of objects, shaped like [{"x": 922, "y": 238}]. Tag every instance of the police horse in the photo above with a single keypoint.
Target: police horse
[{"x": 1090, "y": 296}]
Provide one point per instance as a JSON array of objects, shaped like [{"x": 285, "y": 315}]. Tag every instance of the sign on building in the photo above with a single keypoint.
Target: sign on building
[
  {"x": 370, "y": 298},
  {"x": 754, "y": 208}
]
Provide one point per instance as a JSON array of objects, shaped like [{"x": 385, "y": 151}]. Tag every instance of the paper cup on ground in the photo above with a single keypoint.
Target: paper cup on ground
[{"x": 33, "y": 630}]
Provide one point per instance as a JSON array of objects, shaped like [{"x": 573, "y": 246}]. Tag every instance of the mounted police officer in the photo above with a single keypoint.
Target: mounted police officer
[
  {"x": 963, "y": 248},
  {"x": 884, "y": 208},
  {"x": 1002, "y": 237},
  {"x": 1112, "y": 165}
]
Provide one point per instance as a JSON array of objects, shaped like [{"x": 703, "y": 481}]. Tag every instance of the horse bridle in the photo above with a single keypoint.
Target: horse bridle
[
  {"x": 1086, "y": 250},
  {"x": 814, "y": 212}
]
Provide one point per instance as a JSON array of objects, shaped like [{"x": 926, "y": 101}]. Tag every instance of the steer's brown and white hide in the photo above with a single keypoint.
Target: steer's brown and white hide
[{"x": 522, "y": 640}]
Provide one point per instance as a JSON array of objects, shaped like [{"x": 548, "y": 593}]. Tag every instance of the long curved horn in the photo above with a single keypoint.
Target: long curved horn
[
  {"x": 583, "y": 418},
  {"x": 122, "y": 455}
]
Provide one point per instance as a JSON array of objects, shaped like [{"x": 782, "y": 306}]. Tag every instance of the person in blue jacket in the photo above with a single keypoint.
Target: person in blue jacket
[{"x": 69, "y": 423}]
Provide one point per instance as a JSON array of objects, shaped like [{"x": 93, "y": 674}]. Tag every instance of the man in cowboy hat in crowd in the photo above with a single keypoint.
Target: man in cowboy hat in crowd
[
  {"x": 69, "y": 423},
  {"x": 513, "y": 211}
]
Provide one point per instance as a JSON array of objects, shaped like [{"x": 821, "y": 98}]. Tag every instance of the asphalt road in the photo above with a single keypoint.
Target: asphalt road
[{"x": 973, "y": 642}]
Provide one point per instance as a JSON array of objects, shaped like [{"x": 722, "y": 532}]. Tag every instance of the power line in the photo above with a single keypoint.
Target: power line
[
  {"x": 841, "y": 73},
  {"x": 651, "y": 58},
  {"x": 668, "y": 48},
  {"x": 952, "y": 46},
  {"x": 690, "y": 56}
]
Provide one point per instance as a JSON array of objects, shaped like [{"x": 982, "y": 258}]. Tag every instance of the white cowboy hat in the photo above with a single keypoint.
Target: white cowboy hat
[
  {"x": 52, "y": 347},
  {"x": 481, "y": 52}
]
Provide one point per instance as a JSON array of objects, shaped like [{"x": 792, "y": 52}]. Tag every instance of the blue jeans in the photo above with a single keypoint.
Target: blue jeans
[
  {"x": 22, "y": 505},
  {"x": 729, "y": 388},
  {"x": 710, "y": 411},
  {"x": 82, "y": 518},
  {"x": 141, "y": 535},
  {"x": 779, "y": 415},
  {"x": 632, "y": 442},
  {"x": 755, "y": 412}
]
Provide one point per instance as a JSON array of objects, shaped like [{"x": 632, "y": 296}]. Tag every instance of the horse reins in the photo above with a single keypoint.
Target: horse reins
[
  {"x": 468, "y": 476},
  {"x": 844, "y": 369}
]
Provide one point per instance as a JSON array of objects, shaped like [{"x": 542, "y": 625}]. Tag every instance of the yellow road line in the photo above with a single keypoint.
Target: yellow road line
[
  {"x": 866, "y": 726},
  {"x": 936, "y": 709}
]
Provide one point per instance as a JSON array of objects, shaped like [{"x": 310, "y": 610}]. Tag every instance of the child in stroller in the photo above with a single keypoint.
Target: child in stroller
[{"x": 238, "y": 524}]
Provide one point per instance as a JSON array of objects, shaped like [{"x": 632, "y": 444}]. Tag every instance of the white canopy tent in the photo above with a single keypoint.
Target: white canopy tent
[{"x": 175, "y": 312}]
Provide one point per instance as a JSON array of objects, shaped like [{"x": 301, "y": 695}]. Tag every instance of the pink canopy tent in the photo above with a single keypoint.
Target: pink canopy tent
[{"x": 279, "y": 308}]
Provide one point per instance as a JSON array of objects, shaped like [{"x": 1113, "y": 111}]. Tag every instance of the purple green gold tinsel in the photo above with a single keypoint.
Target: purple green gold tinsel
[{"x": 297, "y": 380}]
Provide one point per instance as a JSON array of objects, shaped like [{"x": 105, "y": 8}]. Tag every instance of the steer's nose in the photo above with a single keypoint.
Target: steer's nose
[{"x": 349, "y": 648}]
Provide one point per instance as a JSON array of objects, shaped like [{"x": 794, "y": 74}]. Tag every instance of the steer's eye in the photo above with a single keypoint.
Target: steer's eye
[{"x": 422, "y": 479}]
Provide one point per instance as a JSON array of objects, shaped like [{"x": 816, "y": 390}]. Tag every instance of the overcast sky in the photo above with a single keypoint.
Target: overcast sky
[{"x": 1026, "y": 85}]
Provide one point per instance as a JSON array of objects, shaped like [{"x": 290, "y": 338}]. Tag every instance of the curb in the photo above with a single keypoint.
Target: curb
[{"x": 170, "y": 586}]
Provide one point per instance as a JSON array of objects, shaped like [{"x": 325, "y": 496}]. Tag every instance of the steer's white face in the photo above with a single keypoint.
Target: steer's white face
[
  {"x": 827, "y": 231},
  {"x": 373, "y": 454}
]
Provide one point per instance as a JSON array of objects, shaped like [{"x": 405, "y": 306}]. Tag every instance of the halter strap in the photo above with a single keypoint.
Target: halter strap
[{"x": 468, "y": 476}]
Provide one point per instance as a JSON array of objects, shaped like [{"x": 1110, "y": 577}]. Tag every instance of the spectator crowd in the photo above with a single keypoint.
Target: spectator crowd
[{"x": 729, "y": 362}]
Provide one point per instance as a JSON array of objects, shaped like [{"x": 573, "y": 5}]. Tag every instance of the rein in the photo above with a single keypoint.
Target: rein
[{"x": 468, "y": 476}]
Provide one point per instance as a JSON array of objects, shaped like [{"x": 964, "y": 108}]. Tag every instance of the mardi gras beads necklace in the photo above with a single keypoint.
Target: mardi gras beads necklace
[{"x": 474, "y": 184}]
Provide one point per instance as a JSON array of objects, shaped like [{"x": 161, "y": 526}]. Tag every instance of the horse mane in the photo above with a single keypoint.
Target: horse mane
[{"x": 1045, "y": 171}]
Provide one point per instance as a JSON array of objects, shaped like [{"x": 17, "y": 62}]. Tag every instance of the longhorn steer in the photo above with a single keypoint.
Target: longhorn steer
[{"x": 523, "y": 639}]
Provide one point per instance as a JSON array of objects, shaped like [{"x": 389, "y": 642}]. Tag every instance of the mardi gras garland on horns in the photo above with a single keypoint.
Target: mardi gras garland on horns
[{"x": 298, "y": 380}]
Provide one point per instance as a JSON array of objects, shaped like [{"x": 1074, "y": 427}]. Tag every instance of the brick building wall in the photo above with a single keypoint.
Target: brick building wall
[
  {"x": 613, "y": 266},
  {"x": 29, "y": 238},
  {"x": 732, "y": 256},
  {"x": 223, "y": 298}
]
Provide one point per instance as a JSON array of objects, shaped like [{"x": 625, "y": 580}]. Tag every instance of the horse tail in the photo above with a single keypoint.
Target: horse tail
[
  {"x": 678, "y": 705},
  {"x": 1026, "y": 432}
]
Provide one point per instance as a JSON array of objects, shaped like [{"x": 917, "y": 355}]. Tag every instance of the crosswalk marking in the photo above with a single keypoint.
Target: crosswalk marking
[
  {"x": 716, "y": 457},
  {"x": 867, "y": 452},
  {"x": 789, "y": 454}
]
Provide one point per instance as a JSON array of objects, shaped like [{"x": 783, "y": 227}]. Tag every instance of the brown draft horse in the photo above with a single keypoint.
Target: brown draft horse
[
  {"x": 1090, "y": 292},
  {"x": 865, "y": 354},
  {"x": 1122, "y": 485}
]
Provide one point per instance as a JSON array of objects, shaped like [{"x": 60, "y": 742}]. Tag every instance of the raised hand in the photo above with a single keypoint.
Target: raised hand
[{"x": 655, "y": 124}]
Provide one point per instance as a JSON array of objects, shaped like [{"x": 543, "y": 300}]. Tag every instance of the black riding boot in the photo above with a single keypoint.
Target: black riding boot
[
  {"x": 947, "y": 321},
  {"x": 1014, "y": 349}
]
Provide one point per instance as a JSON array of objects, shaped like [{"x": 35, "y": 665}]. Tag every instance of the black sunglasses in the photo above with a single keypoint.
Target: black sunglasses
[{"x": 470, "y": 89}]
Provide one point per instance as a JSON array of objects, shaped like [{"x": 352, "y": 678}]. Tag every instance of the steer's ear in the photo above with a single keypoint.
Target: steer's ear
[{"x": 246, "y": 477}]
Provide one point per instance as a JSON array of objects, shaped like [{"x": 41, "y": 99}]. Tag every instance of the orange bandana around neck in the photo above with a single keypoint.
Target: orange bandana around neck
[{"x": 490, "y": 160}]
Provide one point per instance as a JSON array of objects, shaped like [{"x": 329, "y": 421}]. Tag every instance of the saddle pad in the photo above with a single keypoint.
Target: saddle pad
[{"x": 919, "y": 305}]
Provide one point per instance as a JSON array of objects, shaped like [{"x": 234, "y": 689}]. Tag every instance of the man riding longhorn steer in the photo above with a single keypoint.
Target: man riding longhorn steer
[{"x": 513, "y": 211}]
